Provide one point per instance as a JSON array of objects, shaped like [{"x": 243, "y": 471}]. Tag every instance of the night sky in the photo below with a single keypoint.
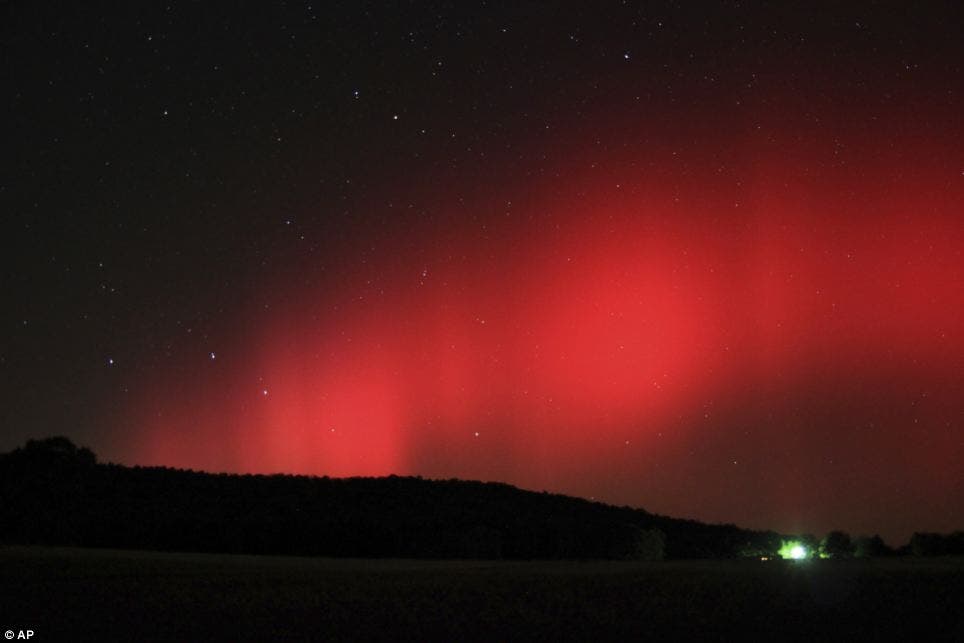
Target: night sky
[{"x": 702, "y": 258}]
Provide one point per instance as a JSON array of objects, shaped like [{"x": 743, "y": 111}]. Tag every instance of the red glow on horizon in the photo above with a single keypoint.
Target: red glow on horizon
[{"x": 591, "y": 342}]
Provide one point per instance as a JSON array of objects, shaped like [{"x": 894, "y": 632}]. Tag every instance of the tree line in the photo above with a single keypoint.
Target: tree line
[{"x": 55, "y": 493}]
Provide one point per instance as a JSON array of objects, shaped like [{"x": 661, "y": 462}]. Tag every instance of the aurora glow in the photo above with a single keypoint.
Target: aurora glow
[{"x": 699, "y": 258}]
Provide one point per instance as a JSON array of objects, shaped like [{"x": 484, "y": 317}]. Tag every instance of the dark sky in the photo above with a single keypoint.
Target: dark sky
[{"x": 703, "y": 258}]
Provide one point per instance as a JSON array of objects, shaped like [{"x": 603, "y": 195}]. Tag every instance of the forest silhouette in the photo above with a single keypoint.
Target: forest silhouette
[{"x": 55, "y": 493}]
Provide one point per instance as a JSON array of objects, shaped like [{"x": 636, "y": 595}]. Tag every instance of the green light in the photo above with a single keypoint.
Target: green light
[{"x": 793, "y": 550}]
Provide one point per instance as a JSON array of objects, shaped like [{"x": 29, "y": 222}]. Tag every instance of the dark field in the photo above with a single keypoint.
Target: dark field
[{"x": 75, "y": 594}]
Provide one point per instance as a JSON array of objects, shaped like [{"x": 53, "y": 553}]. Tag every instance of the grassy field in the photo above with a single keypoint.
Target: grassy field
[{"x": 76, "y": 594}]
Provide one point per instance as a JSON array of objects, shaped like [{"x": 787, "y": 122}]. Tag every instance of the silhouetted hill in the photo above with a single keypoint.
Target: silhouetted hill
[{"x": 53, "y": 493}]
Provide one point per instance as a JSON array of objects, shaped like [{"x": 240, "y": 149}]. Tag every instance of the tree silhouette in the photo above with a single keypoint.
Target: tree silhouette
[
  {"x": 53, "y": 492},
  {"x": 837, "y": 544},
  {"x": 57, "y": 450},
  {"x": 871, "y": 547},
  {"x": 631, "y": 542},
  {"x": 928, "y": 544}
]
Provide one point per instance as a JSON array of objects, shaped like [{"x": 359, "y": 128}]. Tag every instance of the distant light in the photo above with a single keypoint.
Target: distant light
[
  {"x": 264, "y": 392},
  {"x": 794, "y": 550},
  {"x": 110, "y": 361},
  {"x": 212, "y": 355}
]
